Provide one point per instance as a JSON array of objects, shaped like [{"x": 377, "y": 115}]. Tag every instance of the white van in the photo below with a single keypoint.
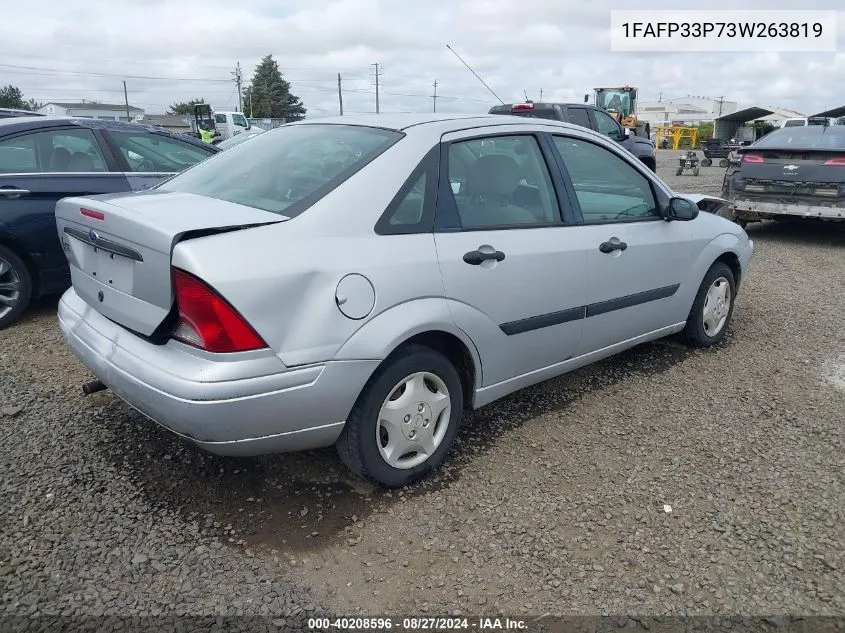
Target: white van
[{"x": 231, "y": 124}]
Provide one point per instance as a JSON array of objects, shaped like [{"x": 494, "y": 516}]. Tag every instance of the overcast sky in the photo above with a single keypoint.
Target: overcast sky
[{"x": 174, "y": 50}]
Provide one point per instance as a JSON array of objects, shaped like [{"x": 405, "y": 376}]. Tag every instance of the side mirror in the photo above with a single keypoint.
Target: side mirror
[{"x": 681, "y": 209}]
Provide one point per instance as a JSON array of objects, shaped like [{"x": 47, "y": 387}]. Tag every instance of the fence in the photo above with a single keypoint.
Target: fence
[{"x": 267, "y": 124}]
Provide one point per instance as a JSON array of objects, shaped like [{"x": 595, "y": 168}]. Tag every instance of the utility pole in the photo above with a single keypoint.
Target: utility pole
[
  {"x": 238, "y": 79},
  {"x": 339, "y": 95},
  {"x": 721, "y": 99},
  {"x": 541, "y": 95},
  {"x": 525, "y": 92},
  {"x": 126, "y": 101},
  {"x": 377, "y": 76},
  {"x": 434, "y": 97},
  {"x": 660, "y": 97}
]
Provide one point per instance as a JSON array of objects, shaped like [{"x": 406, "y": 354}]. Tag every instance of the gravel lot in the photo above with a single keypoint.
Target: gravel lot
[{"x": 552, "y": 502}]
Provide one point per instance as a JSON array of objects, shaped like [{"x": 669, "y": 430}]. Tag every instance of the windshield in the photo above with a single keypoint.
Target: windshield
[
  {"x": 285, "y": 170},
  {"x": 617, "y": 100},
  {"x": 804, "y": 137}
]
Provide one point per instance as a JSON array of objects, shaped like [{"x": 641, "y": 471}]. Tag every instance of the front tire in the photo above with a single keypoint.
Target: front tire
[
  {"x": 15, "y": 287},
  {"x": 706, "y": 162},
  {"x": 713, "y": 307},
  {"x": 406, "y": 419}
]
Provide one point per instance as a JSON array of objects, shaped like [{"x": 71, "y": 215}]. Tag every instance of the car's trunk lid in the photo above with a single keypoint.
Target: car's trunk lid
[
  {"x": 119, "y": 247},
  {"x": 786, "y": 168}
]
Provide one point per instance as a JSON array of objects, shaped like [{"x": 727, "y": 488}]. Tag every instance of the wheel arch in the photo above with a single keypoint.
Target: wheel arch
[{"x": 424, "y": 321}]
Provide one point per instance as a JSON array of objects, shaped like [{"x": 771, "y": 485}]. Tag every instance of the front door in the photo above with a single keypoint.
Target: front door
[
  {"x": 514, "y": 280},
  {"x": 636, "y": 260}
]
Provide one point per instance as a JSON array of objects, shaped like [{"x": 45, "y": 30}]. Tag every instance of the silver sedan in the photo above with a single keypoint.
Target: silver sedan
[{"x": 363, "y": 281}]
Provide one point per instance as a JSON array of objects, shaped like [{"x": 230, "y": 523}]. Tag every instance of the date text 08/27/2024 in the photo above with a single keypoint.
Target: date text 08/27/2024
[{"x": 417, "y": 624}]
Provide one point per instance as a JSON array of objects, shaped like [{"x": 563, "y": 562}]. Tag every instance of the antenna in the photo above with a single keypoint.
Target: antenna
[{"x": 476, "y": 74}]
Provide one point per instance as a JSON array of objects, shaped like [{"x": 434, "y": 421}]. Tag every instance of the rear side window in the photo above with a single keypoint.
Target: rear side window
[
  {"x": 53, "y": 151},
  {"x": 579, "y": 116},
  {"x": 286, "y": 170}
]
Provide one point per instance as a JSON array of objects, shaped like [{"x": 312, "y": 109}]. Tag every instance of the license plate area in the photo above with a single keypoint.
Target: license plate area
[{"x": 108, "y": 268}]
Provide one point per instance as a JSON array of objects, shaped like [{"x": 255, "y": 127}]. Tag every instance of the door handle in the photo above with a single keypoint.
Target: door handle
[
  {"x": 14, "y": 192},
  {"x": 613, "y": 244},
  {"x": 475, "y": 258}
]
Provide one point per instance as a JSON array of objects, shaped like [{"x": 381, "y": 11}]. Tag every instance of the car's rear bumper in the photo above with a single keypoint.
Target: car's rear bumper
[
  {"x": 758, "y": 209},
  {"x": 230, "y": 404}
]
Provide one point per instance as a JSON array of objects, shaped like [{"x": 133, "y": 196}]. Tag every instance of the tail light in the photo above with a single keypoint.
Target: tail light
[
  {"x": 838, "y": 161},
  {"x": 752, "y": 158},
  {"x": 207, "y": 321},
  {"x": 522, "y": 106}
]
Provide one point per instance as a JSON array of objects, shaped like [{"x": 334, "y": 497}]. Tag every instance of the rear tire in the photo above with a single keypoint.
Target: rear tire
[
  {"x": 395, "y": 441},
  {"x": 679, "y": 171},
  {"x": 15, "y": 287},
  {"x": 724, "y": 162},
  {"x": 695, "y": 171},
  {"x": 711, "y": 312},
  {"x": 706, "y": 162}
]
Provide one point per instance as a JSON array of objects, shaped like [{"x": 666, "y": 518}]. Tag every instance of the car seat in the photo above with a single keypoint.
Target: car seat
[
  {"x": 492, "y": 181},
  {"x": 59, "y": 159}
]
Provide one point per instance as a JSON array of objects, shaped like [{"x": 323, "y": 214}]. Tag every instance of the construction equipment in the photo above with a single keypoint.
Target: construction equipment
[
  {"x": 621, "y": 103},
  {"x": 676, "y": 135},
  {"x": 203, "y": 118},
  {"x": 688, "y": 160}
]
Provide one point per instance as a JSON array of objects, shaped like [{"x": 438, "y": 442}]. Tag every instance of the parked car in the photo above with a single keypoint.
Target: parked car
[
  {"x": 586, "y": 116},
  {"x": 437, "y": 265},
  {"x": 43, "y": 159},
  {"x": 237, "y": 139},
  {"x": 791, "y": 173}
]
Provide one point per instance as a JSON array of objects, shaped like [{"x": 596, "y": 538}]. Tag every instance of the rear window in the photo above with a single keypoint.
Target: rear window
[
  {"x": 285, "y": 170},
  {"x": 795, "y": 123},
  {"x": 804, "y": 137}
]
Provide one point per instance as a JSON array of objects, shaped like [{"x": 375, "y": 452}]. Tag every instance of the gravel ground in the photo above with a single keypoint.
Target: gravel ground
[{"x": 554, "y": 500}]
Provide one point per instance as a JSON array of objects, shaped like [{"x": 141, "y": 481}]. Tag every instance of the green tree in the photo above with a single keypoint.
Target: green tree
[
  {"x": 184, "y": 107},
  {"x": 270, "y": 94},
  {"x": 12, "y": 97}
]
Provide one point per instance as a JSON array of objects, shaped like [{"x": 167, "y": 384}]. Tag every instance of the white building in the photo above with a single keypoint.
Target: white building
[
  {"x": 91, "y": 110},
  {"x": 689, "y": 110}
]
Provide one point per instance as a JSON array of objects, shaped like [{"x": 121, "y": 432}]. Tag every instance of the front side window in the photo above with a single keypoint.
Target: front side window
[
  {"x": 607, "y": 125},
  {"x": 287, "y": 169},
  {"x": 501, "y": 181},
  {"x": 147, "y": 152},
  {"x": 608, "y": 188},
  {"x": 239, "y": 119}
]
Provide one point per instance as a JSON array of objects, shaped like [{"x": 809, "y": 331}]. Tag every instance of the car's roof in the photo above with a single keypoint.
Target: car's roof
[
  {"x": 444, "y": 123},
  {"x": 27, "y": 123}
]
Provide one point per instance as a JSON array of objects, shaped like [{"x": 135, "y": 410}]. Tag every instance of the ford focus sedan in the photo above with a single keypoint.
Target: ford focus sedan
[{"x": 364, "y": 281}]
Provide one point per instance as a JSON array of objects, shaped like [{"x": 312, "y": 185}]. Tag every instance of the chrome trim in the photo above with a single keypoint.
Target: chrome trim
[
  {"x": 14, "y": 192},
  {"x": 102, "y": 243}
]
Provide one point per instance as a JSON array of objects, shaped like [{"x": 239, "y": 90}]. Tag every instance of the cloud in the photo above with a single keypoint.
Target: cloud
[{"x": 173, "y": 51}]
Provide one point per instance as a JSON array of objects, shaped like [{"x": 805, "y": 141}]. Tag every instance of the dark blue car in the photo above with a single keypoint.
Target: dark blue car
[{"x": 43, "y": 159}]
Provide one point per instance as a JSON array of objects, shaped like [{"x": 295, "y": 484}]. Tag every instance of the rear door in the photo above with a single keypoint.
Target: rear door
[
  {"x": 510, "y": 264},
  {"x": 148, "y": 158},
  {"x": 36, "y": 170},
  {"x": 636, "y": 260}
]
